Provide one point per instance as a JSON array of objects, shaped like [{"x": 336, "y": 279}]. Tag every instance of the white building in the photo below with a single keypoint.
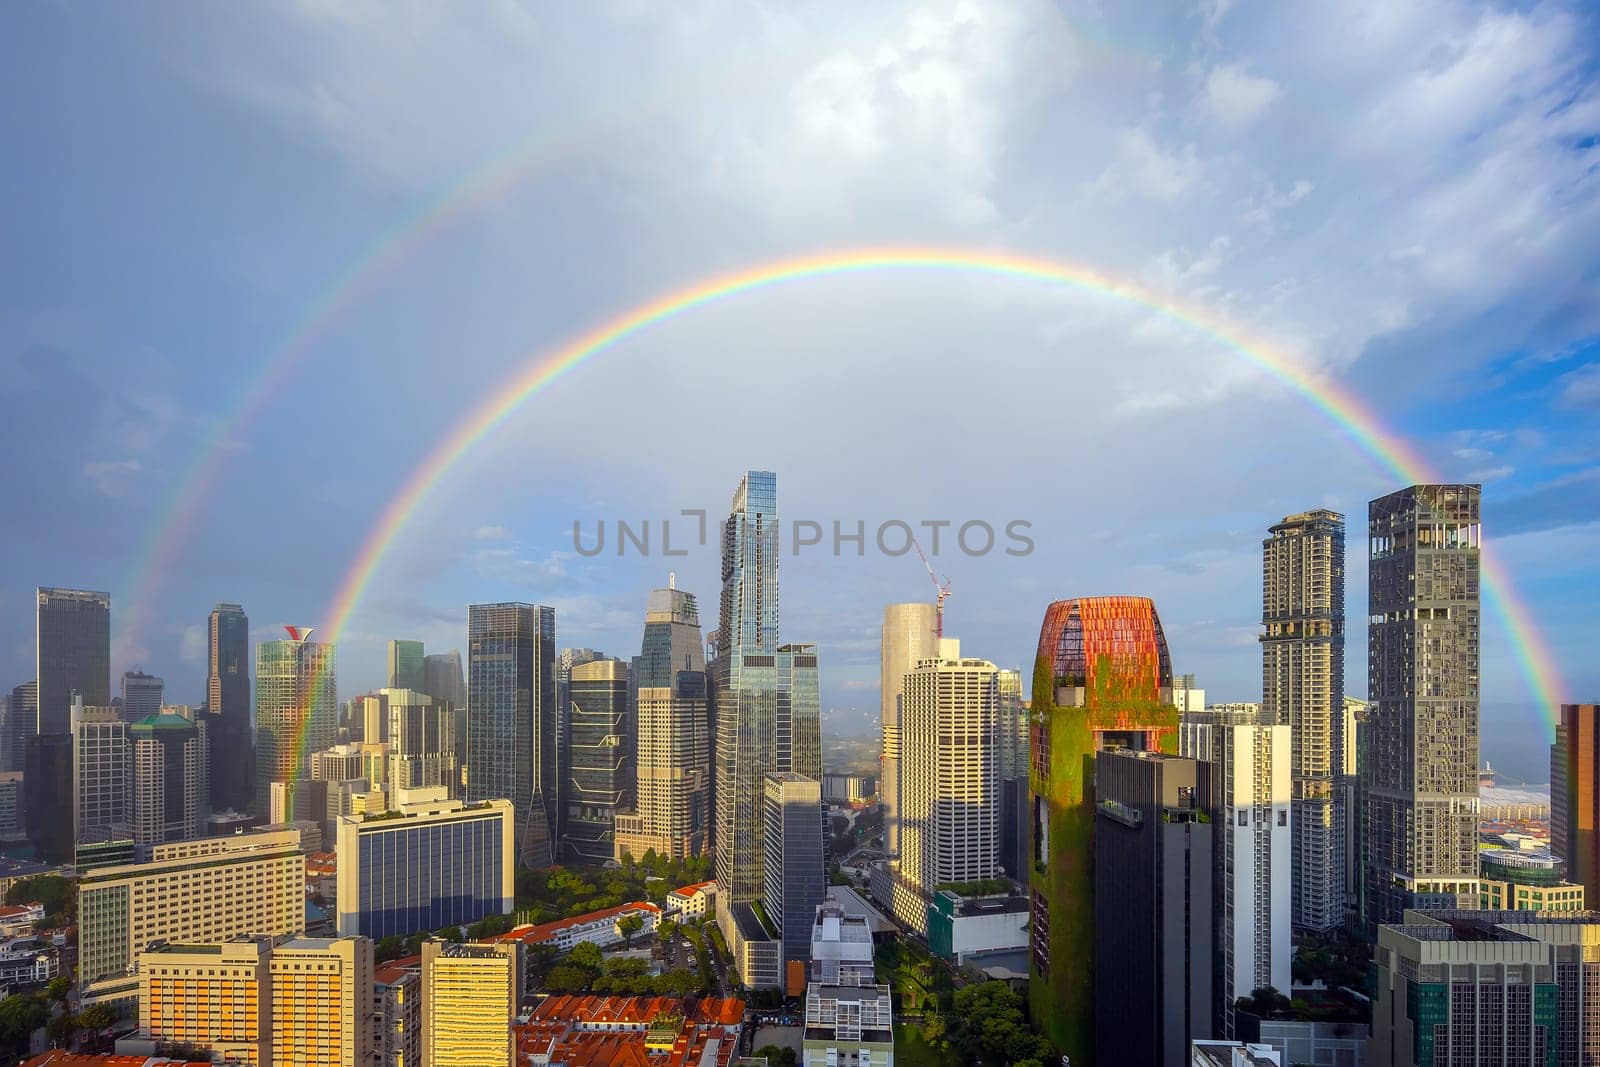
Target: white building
[
  {"x": 848, "y": 1026},
  {"x": 692, "y": 902},
  {"x": 841, "y": 946},
  {"x": 602, "y": 928},
  {"x": 1250, "y": 758}
]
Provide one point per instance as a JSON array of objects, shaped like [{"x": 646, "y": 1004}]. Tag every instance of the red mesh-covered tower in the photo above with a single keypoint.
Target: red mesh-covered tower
[{"x": 1102, "y": 679}]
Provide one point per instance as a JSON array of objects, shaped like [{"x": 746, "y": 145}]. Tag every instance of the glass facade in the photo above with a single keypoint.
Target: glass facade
[
  {"x": 73, "y": 653},
  {"x": 444, "y": 872},
  {"x": 406, "y": 665},
  {"x": 600, "y": 767},
  {"x": 511, "y": 718},
  {"x": 229, "y": 731},
  {"x": 297, "y": 712}
]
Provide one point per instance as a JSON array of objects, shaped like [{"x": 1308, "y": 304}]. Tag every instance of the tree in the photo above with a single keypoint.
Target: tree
[
  {"x": 20, "y": 1015},
  {"x": 61, "y": 1029},
  {"x": 585, "y": 954},
  {"x": 58, "y": 895},
  {"x": 778, "y": 1055},
  {"x": 389, "y": 948},
  {"x": 58, "y": 988},
  {"x": 666, "y": 929},
  {"x": 97, "y": 1017},
  {"x": 490, "y": 926},
  {"x": 627, "y": 926}
]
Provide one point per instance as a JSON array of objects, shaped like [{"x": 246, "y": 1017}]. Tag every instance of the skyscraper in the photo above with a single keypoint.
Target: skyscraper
[
  {"x": 422, "y": 741},
  {"x": 600, "y": 760},
  {"x": 170, "y": 795},
  {"x": 47, "y": 778},
  {"x": 470, "y": 995},
  {"x": 442, "y": 677},
  {"x": 1575, "y": 795},
  {"x": 407, "y": 665},
  {"x": 24, "y": 721},
  {"x": 1302, "y": 686},
  {"x": 141, "y": 695},
  {"x": 1420, "y": 782},
  {"x": 229, "y": 732},
  {"x": 1013, "y": 773},
  {"x": 794, "y": 876},
  {"x": 73, "y": 654},
  {"x": 101, "y": 795},
  {"x": 297, "y": 710},
  {"x": 672, "y": 794},
  {"x": 1102, "y": 679},
  {"x": 799, "y": 718},
  {"x": 511, "y": 713},
  {"x": 908, "y": 637}
]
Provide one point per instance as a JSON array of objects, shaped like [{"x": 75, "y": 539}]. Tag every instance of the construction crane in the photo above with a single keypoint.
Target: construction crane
[{"x": 941, "y": 590}]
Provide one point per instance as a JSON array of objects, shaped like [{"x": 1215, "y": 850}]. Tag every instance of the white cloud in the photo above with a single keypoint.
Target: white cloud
[
  {"x": 193, "y": 645},
  {"x": 112, "y": 476},
  {"x": 1236, "y": 97},
  {"x": 492, "y": 533},
  {"x": 1581, "y": 388}
]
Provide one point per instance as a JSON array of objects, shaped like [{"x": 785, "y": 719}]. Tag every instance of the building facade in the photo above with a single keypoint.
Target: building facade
[
  {"x": 228, "y": 727},
  {"x": 407, "y": 665},
  {"x": 908, "y": 637},
  {"x": 1302, "y": 686},
  {"x": 794, "y": 870},
  {"x": 1420, "y": 782},
  {"x": 72, "y": 654},
  {"x": 1102, "y": 679},
  {"x": 1575, "y": 795},
  {"x": 101, "y": 777},
  {"x": 1520, "y": 880},
  {"x": 142, "y": 695},
  {"x": 511, "y": 719},
  {"x": 470, "y": 995},
  {"x": 600, "y": 761},
  {"x": 848, "y": 1026},
  {"x": 169, "y": 783},
  {"x": 297, "y": 710},
  {"x": 215, "y": 998},
  {"x": 424, "y": 866},
  {"x": 321, "y": 1002},
  {"x": 421, "y": 742}
]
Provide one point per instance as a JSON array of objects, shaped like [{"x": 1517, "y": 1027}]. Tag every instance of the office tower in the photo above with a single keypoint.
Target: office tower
[
  {"x": 1102, "y": 679},
  {"x": 407, "y": 665},
  {"x": 1152, "y": 906},
  {"x": 799, "y": 714},
  {"x": 794, "y": 871},
  {"x": 210, "y": 890},
  {"x": 1302, "y": 686},
  {"x": 567, "y": 659},
  {"x": 1511, "y": 988},
  {"x": 72, "y": 654},
  {"x": 297, "y": 710},
  {"x": 214, "y": 998},
  {"x": 1575, "y": 796},
  {"x": 1420, "y": 782},
  {"x": 101, "y": 801},
  {"x": 46, "y": 779},
  {"x": 1249, "y": 757},
  {"x": 511, "y": 696},
  {"x": 672, "y": 781},
  {"x": 229, "y": 731},
  {"x": 12, "y": 825},
  {"x": 1347, "y": 797},
  {"x": 1012, "y": 760},
  {"x": 470, "y": 995},
  {"x": 397, "y": 1010},
  {"x": 428, "y": 864},
  {"x": 908, "y": 637},
  {"x": 599, "y": 762},
  {"x": 368, "y": 716},
  {"x": 421, "y": 742},
  {"x": 950, "y": 743},
  {"x": 169, "y": 792},
  {"x": 24, "y": 706},
  {"x": 321, "y": 1002},
  {"x": 745, "y": 686},
  {"x": 142, "y": 695},
  {"x": 442, "y": 677}
]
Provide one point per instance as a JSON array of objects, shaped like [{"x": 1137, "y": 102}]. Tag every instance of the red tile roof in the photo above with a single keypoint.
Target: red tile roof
[
  {"x": 690, "y": 890},
  {"x": 577, "y": 1028},
  {"x": 63, "y": 1058},
  {"x": 545, "y": 931}
]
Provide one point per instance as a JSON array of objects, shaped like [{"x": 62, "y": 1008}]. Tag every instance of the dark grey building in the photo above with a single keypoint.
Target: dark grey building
[
  {"x": 142, "y": 695},
  {"x": 443, "y": 679},
  {"x": 794, "y": 872},
  {"x": 73, "y": 654},
  {"x": 24, "y": 720},
  {"x": 229, "y": 731},
  {"x": 47, "y": 795},
  {"x": 1153, "y": 880},
  {"x": 1420, "y": 779},
  {"x": 600, "y": 760},
  {"x": 511, "y": 713},
  {"x": 799, "y": 712}
]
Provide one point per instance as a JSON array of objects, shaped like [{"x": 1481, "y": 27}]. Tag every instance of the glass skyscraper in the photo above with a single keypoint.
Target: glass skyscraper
[
  {"x": 511, "y": 719},
  {"x": 297, "y": 710},
  {"x": 73, "y": 654},
  {"x": 599, "y": 761},
  {"x": 229, "y": 735},
  {"x": 407, "y": 668}
]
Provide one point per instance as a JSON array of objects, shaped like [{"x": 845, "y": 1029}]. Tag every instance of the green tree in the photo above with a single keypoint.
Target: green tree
[
  {"x": 629, "y": 925},
  {"x": 666, "y": 930},
  {"x": 20, "y": 1015},
  {"x": 61, "y": 1029},
  {"x": 58, "y": 895},
  {"x": 490, "y": 926},
  {"x": 389, "y": 948},
  {"x": 58, "y": 988},
  {"x": 585, "y": 954},
  {"x": 97, "y": 1017}
]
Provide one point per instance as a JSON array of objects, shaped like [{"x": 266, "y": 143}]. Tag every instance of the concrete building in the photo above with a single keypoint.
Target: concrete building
[
  {"x": 47, "y": 778},
  {"x": 407, "y": 666},
  {"x": 1103, "y": 679},
  {"x": 421, "y": 742},
  {"x": 1249, "y": 757},
  {"x": 511, "y": 719},
  {"x": 72, "y": 655},
  {"x": 425, "y": 865},
  {"x": 321, "y": 1002},
  {"x": 397, "y": 1012},
  {"x": 296, "y": 711},
  {"x": 849, "y": 788},
  {"x": 1525, "y": 880},
  {"x": 975, "y": 920},
  {"x": 693, "y": 901},
  {"x": 848, "y": 1026},
  {"x": 590, "y": 1031},
  {"x": 23, "y": 709},
  {"x": 799, "y": 718},
  {"x": 1013, "y": 761},
  {"x": 203, "y": 891},
  {"x": 1210, "y": 1053},
  {"x": 841, "y": 946},
  {"x": 599, "y": 768},
  {"x": 599, "y": 928},
  {"x": 756, "y": 948},
  {"x": 1302, "y": 687},
  {"x": 142, "y": 695},
  {"x": 672, "y": 776},
  {"x": 1420, "y": 781},
  {"x": 470, "y": 996},
  {"x": 170, "y": 790},
  {"x": 794, "y": 869},
  {"x": 908, "y": 637},
  {"x": 101, "y": 777},
  {"x": 1575, "y": 795},
  {"x": 230, "y": 737},
  {"x": 215, "y": 997},
  {"x": 1152, "y": 906}
]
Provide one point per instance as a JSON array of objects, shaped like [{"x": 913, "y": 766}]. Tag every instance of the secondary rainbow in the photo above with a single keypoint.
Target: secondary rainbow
[{"x": 1341, "y": 407}]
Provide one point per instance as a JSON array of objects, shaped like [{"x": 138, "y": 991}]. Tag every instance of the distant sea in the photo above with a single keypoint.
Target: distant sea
[{"x": 1516, "y": 739}]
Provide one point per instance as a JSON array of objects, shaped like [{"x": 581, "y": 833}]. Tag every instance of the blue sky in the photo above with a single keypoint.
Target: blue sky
[{"x": 1405, "y": 198}]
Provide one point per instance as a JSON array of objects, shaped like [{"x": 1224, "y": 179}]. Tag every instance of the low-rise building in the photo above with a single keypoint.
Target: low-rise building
[
  {"x": 19, "y": 919},
  {"x": 1208, "y": 1053},
  {"x": 658, "y": 1031},
  {"x": 963, "y": 923},
  {"x": 756, "y": 948},
  {"x": 848, "y": 1026},
  {"x": 841, "y": 946},
  {"x": 28, "y": 961},
  {"x": 601, "y": 928},
  {"x": 692, "y": 902},
  {"x": 1515, "y": 879}
]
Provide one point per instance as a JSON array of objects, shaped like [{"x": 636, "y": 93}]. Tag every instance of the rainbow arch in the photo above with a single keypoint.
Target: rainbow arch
[{"x": 1341, "y": 407}]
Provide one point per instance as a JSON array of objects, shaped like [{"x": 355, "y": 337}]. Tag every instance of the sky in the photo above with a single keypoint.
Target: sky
[{"x": 293, "y": 246}]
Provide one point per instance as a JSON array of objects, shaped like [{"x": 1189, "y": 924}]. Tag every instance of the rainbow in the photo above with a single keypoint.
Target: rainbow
[{"x": 1338, "y": 405}]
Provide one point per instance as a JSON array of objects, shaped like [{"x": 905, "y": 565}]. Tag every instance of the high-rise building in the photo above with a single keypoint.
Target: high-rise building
[
  {"x": 799, "y": 717},
  {"x": 169, "y": 795},
  {"x": 321, "y": 1002},
  {"x": 421, "y": 741},
  {"x": 24, "y": 721},
  {"x": 1013, "y": 772},
  {"x": 443, "y": 677},
  {"x": 908, "y": 637},
  {"x": 1302, "y": 686},
  {"x": 672, "y": 792},
  {"x": 142, "y": 695},
  {"x": 745, "y": 686},
  {"x": 511, "y": 719},
  {"x": 1420, "y": 782},
  {"x": 47, "y": 778},
  {"x": 600, "y": 760},
  {"x": 841, "y": 946},
  {"x": 567, "y": 659},
  {"x": 101, "y": 793},
  {"x": 1347, "y": 796},
  {"x": 1152, "y": 906},
  {"x": 431, "y": 863},
  {"x": 470, "y": 995},
  {"x": 229, "y": 731},
  {"x": 794, "y": 871},
  {"x": 72, "y": 654},
  {"x": 1249, "y": 756},
  {"x": 949, "y": 780},
  {"x": 204, "y": 891},
  {"x": 407, "y": 665},
  {"x": 1102, "y": 679},
  {"x": 397, "y": 1008},
  {"x": 1575, "y": 795},
  {"x": 297, "y": 709}
]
